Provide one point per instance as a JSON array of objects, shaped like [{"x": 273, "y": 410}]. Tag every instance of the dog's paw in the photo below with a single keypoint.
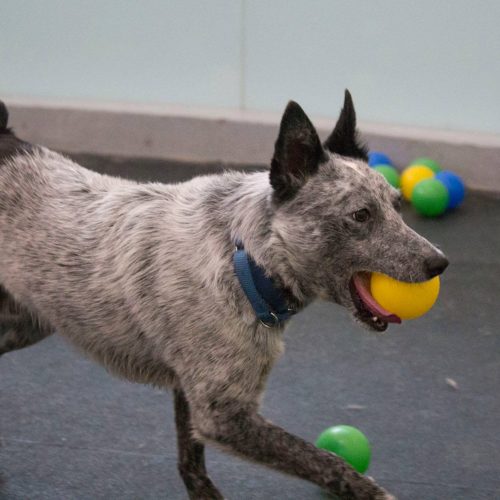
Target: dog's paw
[
  {"x": 382, "y": 494},
  {"x": 385, "y": 496}
]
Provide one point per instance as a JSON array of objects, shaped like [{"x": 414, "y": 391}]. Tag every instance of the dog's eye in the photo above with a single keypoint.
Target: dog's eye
[{"x": 361, "y": 215}]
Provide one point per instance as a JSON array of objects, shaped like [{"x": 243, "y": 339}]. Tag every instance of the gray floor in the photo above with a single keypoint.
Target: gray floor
[{"x": 69, "y": 430}]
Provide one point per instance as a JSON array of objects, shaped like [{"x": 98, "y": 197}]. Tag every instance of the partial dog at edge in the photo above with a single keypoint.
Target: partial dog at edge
[{"x": 140, "y": 277}]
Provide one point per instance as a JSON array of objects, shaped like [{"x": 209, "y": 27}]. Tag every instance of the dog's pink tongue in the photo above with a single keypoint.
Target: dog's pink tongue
[{"x": 372, "y": 305}]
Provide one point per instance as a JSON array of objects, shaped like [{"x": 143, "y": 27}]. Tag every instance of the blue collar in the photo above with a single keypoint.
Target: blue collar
[{"x": 266, "y": 298}]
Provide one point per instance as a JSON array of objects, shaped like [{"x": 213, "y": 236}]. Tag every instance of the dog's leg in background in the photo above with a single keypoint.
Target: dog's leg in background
[
  {"x": 191, "y": 454},
  {"x": 243, "y": 431},
  {"x": 18, "y": 327}
]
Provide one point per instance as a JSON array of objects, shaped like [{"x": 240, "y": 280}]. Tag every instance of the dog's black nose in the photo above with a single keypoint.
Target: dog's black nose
[{"x": 436, "y": 265}]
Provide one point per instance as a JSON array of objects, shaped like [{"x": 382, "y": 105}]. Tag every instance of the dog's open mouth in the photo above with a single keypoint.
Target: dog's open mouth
[{"x": 368, "y": 310}]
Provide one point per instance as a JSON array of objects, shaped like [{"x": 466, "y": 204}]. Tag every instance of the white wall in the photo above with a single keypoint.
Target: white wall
[{"x": 427, "y": 63}]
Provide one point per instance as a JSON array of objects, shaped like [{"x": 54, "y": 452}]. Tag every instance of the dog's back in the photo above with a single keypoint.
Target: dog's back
[
  {"x": 70, "y": 243},
  {"x": 65, "y": 249},
  {"x": 114, "y": 265}
]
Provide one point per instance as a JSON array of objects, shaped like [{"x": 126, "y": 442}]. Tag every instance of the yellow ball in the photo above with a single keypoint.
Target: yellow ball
[
  {"x": 411, "y": 176},
  {"x": 406, "y": 300}
]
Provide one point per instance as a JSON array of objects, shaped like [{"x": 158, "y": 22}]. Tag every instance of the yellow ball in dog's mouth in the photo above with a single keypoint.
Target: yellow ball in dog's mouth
[{"x": 406, "y": 300}]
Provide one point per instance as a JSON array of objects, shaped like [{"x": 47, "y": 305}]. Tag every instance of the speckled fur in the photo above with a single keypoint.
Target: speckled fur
[{"x": 140, "y": 278}]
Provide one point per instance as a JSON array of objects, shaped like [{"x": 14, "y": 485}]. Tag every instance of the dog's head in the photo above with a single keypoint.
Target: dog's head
[{"x": 337, "y": 220}]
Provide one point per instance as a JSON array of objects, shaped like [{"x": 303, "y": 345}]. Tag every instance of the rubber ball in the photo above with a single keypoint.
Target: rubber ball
[
  {"x": 378, "y": 158},
  {"x": 430, "y": 198},
  {"x": 390, "y": 173},
  {"x": 406, "y": 300},
  {"x": 455, "y": 186},
  {"x": 427, "y": 162},
  {"x": 349, "y": 443},
  {"x": 411, "y": 176}
]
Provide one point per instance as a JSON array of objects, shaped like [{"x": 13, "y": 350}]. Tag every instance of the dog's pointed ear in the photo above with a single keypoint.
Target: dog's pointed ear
[
  {"x": 297, "y": 152},
  {"x": 344, "y": 138}
]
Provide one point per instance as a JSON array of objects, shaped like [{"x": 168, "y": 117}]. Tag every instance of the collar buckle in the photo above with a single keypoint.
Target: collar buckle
[
  {"x": 268, "y": 324},
  {"x": 265, "y": 297}
]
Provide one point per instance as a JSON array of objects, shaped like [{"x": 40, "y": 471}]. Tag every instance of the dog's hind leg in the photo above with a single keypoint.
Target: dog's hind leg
[
  {"x": 18, "y": 326},
  {"x": 191, "y": 454}
]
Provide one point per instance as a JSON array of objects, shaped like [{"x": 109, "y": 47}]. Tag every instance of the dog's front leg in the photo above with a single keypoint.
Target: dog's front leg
[
  {"x": 241, "y": 430},
  {"x": 191, "y": 454}
]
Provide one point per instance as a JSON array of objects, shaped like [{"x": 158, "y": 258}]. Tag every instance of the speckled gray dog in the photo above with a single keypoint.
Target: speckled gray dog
[{"x": 140, "y": 277}]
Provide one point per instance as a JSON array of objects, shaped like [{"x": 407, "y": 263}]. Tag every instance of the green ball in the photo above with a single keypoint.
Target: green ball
[
  {"x": 430, "y": 197},
  {"x": 428, "y": 162},
  {"x": 349, "y": 443},
  {"x": 390, "y": 173}
]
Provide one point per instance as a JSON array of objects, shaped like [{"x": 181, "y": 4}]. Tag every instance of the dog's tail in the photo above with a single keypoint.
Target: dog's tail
[{"x": 4, "y": 118}]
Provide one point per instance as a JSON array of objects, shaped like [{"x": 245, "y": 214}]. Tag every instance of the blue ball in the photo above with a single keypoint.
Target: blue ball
[
  {"x": 455, "y": 186},
  {"x": 378, "y": 158}
]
